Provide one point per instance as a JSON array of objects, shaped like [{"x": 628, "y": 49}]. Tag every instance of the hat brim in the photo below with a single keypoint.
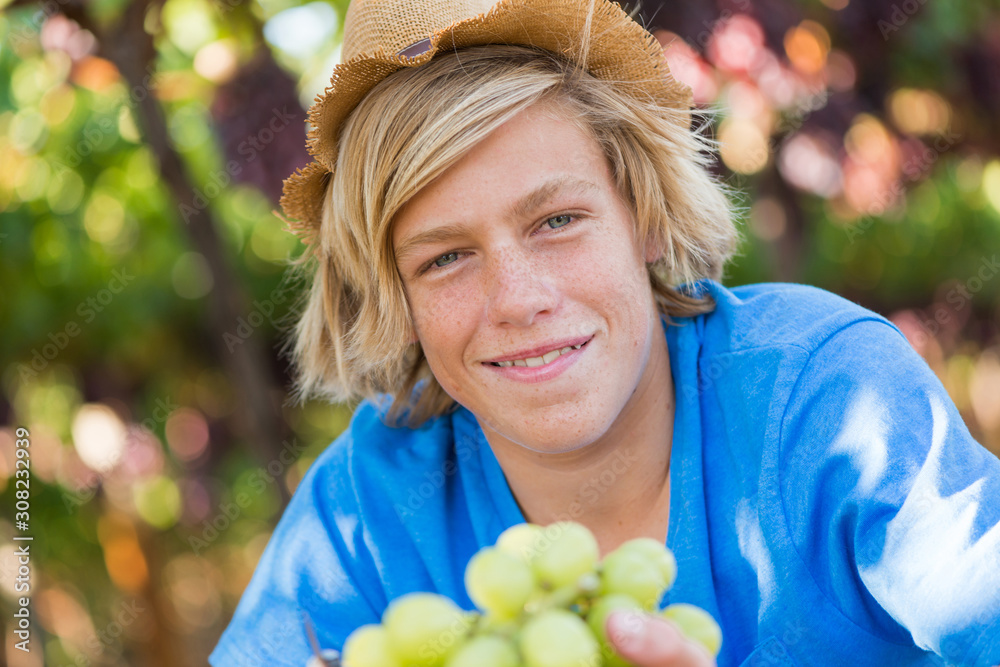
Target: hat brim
[{"x": 620, "y": 50}]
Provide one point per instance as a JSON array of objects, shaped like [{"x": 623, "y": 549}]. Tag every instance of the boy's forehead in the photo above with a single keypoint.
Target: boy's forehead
[{"x": 543, "y": 136}]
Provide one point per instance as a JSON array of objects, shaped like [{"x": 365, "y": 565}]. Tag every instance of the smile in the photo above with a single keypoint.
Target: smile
[{"x": 532, "y": 362}]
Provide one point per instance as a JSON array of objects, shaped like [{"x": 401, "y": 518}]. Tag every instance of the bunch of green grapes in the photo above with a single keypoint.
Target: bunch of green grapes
[{"x": 544, "y": 597}]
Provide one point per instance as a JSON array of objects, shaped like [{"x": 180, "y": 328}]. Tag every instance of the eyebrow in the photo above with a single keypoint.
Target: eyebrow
[{"x": 519, "y": 209}]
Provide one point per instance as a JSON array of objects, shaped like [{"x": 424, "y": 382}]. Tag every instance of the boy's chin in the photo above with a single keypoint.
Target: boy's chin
[{"x": 552, "y": 438}]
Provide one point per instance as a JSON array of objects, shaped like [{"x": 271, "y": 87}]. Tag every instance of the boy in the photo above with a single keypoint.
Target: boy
[{"x": 516, "y": 244}]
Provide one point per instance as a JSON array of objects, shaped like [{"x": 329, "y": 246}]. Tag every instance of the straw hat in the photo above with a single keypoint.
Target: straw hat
[{"x": 383, "y": 36}]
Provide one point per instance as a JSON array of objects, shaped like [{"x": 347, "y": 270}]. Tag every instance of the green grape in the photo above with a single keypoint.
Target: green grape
[
  {"x": 522, "y": 541},
  {"x": 558, "y": 638},
  {"x": 368, "y": 646},
  {"x": 597, "y": 617},
  {"x": 546, "y": 579},
  {"x": 484, "y": 651},
  {"x": 697, "y": 624},
  {"x": 631, "y": 573},
  {"x": 498, "y": 582},
  {"x": 572, "y": 553},
  {"x": 612, "y": 658},
  {"x": 657, "y": 553},
  {"x": 424, "y": 628}
]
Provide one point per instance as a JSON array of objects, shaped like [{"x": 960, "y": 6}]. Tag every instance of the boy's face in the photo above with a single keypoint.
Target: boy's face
[{"x": 522, "y": 249}]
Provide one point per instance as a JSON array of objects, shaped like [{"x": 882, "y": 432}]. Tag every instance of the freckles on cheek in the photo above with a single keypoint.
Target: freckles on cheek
[{"x": 440, "y": 318}]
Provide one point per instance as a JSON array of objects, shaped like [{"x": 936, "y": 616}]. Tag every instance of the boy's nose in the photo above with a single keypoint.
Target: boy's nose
[{"x": 519, "y": 289}]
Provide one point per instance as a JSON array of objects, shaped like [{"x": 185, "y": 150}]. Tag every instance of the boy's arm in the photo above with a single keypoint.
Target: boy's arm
[
  {"x": 314, "y": 565},
  {"x": 888, "y": 498}
]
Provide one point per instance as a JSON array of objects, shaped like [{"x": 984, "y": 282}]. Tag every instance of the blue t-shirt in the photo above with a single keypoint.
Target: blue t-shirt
[{"x": 828, "y": 505}]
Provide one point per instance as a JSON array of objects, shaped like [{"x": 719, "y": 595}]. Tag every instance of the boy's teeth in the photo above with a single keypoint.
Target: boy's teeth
[{"x": 539, "y": 361}]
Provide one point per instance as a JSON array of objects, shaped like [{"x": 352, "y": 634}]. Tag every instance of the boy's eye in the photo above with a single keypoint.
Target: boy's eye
[
  {"x": 559, "y": 221},
  {"x": 445, "y": 260}
]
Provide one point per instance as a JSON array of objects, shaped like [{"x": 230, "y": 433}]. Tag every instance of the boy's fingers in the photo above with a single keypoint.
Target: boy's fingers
[{"x": 650, "y": 641}]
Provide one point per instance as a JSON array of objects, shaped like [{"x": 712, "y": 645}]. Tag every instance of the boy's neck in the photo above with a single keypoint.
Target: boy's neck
[{"x": 618, "y": 486}]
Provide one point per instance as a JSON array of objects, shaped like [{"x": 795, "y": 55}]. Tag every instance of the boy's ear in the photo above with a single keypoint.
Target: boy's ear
[
  {"x": 411, "y": 335},
  {"x": 651, "y": 250}
]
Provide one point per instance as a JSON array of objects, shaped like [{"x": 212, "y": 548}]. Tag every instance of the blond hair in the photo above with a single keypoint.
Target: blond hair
[{"x": 353, "y": 339}]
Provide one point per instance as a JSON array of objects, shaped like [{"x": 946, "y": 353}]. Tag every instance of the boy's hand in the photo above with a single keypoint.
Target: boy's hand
[{"x": 651, "y": 641}]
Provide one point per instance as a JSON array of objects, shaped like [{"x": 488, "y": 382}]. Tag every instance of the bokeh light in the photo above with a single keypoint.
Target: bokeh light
[
  {"x": 158, "y": 501},
  {"x": 984, "y": 390},
  {"x": 104, "y": 217},
  {"x": 841, "y": 72},
  {"x": 187, "y": 434},
  {"x": 95, "y": 74},
  {"x": 192, "y": 276},
  {"x": 217, "y": 61},
  {"x": 192, "y": 585},
  {"x": 301, "y": 31},
  {"x": 807, "y": 46},
  {"x": 919, "y": 111},
  {"x": 808, "y": 162},
  {"x": 123, "y": 556},
  {"x": 768, "y": 220},
  {"x": 143, "y": 454},
  {"x": 687, "y": 66},
  {"x": 991, "y": 184},
  {"x": 737, "y": 44},
  {"x": 744, "y": 146},
  {"x": 99, "y": 436},
  {"x": 63, "y": 614}
]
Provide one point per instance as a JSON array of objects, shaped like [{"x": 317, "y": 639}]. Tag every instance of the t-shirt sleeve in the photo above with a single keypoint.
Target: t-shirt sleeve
[
  {"x": 315, "y": 564},
  {"x": 891, "y": 504}
]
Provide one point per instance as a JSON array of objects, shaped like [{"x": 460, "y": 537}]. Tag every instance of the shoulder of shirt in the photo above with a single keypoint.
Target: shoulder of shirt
[
  {"x": 369, "y": 448},
  {"x": 773, "y": 315}
]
